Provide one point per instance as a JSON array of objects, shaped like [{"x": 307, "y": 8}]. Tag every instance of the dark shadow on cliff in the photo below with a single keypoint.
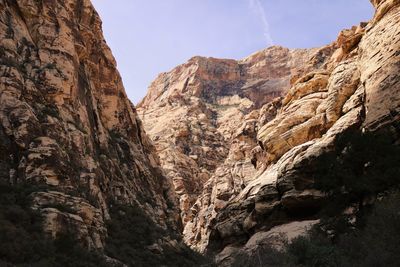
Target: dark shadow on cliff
[
  {"x": 363, "y": 174},
  {"x": 361, "y": 166},
  {"x": 134, "y": 239},
  {"x": 375, "y": 244},
  {"x": 23, "y": 242},
  {"x": 131, "y": 238}
]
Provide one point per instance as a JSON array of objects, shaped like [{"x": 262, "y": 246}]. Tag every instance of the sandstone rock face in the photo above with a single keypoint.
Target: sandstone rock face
[
  {"x": 67, "y": 124},
  {"x": 320, "y": 107},
  {"x": 203, "y": 116},
  {"x": 240, "y": 139},
  {"x": 379, "y": 66}
]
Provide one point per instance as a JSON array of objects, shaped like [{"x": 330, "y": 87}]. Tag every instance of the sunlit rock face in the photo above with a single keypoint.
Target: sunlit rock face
[
  {"x": 203, "y": 118},
  {"x": 240, "y": 139},
  {"x": 67, "y": 124}
]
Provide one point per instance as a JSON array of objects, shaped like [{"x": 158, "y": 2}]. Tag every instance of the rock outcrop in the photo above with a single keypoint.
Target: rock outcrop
[
  {"x": 204, "y": 113},
  {"x": 204, "y": 116},
  {"x": 240, "y": 139},
  {"x": 238, "y": 145},
  {"x": 67, "y": 126}
]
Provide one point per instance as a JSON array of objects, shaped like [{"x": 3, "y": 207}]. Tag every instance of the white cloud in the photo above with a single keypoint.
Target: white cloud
[{"x": 258, "y": 9}]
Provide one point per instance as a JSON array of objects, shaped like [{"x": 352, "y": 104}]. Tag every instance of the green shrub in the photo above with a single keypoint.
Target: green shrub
[
  {"x": 23, "y": 242},
  {"x": 313, "y": 250},
  {"x": 363, "y": 163},
  {"x": 131, "y": 232},
  {"x": 376, "y": 244},
  {"x": 264, "y": 256}
]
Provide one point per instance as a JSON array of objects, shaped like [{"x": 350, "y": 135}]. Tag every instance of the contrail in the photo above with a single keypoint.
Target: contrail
[{"x": 258, "y": 9}]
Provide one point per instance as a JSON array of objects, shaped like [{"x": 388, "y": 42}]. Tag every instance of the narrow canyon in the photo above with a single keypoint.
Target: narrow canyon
[{"x": 221, "y": 158}]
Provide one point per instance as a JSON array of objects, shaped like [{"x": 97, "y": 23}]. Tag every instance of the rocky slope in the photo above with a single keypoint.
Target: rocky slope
[
  {"x": 242, "y": 140},
  {"x": 68, "y": 127}
]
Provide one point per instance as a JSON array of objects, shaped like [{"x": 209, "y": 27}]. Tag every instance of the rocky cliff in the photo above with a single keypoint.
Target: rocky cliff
[
  {"x": 68, "y": 129},
  {"x": 244, "y": 142},
  {"x": 246, "y": 152},
  {"x": 195, "y": 114}
]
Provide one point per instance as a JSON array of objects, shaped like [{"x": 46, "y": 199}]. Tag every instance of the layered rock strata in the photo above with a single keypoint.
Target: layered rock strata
[
  {"x": 349, "y": 95},
  {"x": 66, "y": 124},
  {"x": 203, "y": 113},
  {"x": 252, "y": 130}
]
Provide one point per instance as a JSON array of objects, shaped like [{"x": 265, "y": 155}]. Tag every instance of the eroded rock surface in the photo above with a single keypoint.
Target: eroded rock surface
[
  {"x": 240, "y": 139},
  {"x": 67, "y": 125},
  {"x": 203, "y": 117},
  {"x": 348, "y": 95}
]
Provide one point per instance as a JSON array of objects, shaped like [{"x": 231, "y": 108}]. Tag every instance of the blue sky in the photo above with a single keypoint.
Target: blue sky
[{"x": 152, "y": 36}]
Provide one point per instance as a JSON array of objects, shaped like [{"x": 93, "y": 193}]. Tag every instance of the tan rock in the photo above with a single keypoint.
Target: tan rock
[
  {"x": 66, "y": 123},
  {"x": 203, "y": 117},
  {"x": 270, "y": 140}
]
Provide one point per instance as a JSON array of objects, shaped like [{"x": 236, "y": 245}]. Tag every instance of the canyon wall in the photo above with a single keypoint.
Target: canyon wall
[
  {"x": 242, "y": 140},
  {"x": 239, "y": 151},
  {"x": 68, "y": 128},
  {"x": 195, "y": 114}
]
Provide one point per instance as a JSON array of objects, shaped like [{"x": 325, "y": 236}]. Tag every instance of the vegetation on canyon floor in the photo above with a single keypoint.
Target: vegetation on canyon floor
[
  {"x": 375, "y": 242},
  {"x": 24, "y": 243},
  {"x": 130, "y": 234}
]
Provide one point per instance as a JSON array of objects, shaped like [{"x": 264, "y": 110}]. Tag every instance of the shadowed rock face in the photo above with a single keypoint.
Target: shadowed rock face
[
  {"x": 240, "y": 139},
  {"x": 65, "y": 121}
]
